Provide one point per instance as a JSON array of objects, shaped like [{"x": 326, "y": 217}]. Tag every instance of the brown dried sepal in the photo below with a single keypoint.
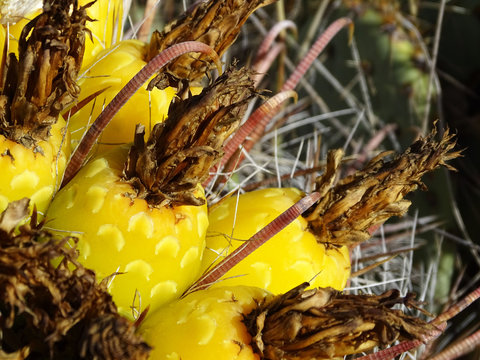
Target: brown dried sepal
[
  {"x": 180, "y": 151},
  {"x": 216, "y": 23},
  {"x": 55, "y": 312},
  {"x": 324, "y": 323},
  {"x": 38, "y": 86},
  {"x": 372, "y": 195}
]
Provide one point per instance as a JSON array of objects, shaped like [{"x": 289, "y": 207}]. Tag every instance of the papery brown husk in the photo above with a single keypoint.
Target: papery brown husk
[
  {"x": 41, "y": 83},
  {"x": 57, "y": 312},
  {"x": 180, "y": 151},
  {"x": 324, "y": 323},
  {"x": 216, "y": 23},
  {"x": 350, "y": 207}
]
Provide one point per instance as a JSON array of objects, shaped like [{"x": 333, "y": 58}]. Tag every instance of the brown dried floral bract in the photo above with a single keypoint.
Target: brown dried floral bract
[
  {"x": 216, "y": 23},
  {"x": 325, "y": 323},
  {"x": 372, "y": 195},
  {"x": 38, "y": 86},
  {"x": 180, "y": 151},
  {"x": 57, "y": 312}
]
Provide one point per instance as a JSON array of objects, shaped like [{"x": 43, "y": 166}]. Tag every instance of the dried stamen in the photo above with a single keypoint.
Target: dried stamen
[
  {"x": 372, "y": 195},
  {"x": 122, "y": 97},
  {"x": 216, "y": 23},
  {"x": 180, "y": 151},
  {"x": 53, "y": 307},
  {"x": 37, "y": 87},
  {"x": 220, "y": 269},
  {"x": 325, "y": 323}
]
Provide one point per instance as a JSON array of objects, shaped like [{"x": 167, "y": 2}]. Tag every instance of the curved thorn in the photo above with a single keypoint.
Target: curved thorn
[
  {"x": 253, "y": 243},
  {"x": 263, "y": 119},
  {"x": 316, "y": 49},
  {"x": 267, "y": 42},
  {"x": 392, "y": 352},
  {"x": 153, "y": 66},
  {"x": 257, "y": 121},
  {"x": 254, "y": 126},
  {"x": 439, "y": 322},
  {"x": 84, "y": 102},
  {"x": 459, "y": 349},
  {"x": 298, "y": 73},
  {"x": 260, "y": 68},
  {"x": 457, "y": 308}
]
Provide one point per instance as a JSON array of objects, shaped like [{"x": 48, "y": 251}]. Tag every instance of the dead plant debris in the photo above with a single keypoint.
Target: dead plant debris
[
  {"x": 53, "y": 311},
  {"x": 181, "y": 150},
  {"x": 41, "y": 83},
  {"x": 370, "y": 196},
  {"x": 324, "y": 323}
]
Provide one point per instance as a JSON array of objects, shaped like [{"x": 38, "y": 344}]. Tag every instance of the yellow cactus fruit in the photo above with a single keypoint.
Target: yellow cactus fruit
[
  {"x": 112, "y": 70},
  {"x": 140, "y": 211},
  {"x": 34, "y": 141},
  {"x": 53, "y": 309},
  {"x": 248, "y": 323},
  {"x": 155, "y": 250},
  {"x": 106, "y": 29},
  {"x": 348, "y": 209},
  {"x": 204, "y": 325},
  {"x": 113, "y": 67},
  {"x": 291, "y": 257},
  {"x": 37, "y": 175}
]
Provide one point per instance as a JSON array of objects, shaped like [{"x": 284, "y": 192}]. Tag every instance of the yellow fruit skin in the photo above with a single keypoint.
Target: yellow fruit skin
[
  {"x": 158, "y": 250},
  {"x": 36, "y": 175},
  {"x": 106, "y": 29},
  {"x": 116, "y": 67},
  {"x": 15, "y": 29},
  {"x": 289, "y": 258},
  {"x": 205, "y": 325},
  {"x": 2, "y": 38}
]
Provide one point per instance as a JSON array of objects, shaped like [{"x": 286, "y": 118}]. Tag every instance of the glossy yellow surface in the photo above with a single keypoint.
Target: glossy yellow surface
[
  {"x": 157, "y": 250},
  {"x": 291, "y": 257},
  {"x": 34, "y": 174},
  {"x": 2, "y": 38},
  {"x": 114, "y": 69},
  {"x": 106, "y": 29},
  {"x": 205, "y": 325}
]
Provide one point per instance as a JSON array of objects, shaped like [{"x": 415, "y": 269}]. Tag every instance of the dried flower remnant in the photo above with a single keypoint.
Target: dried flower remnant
[
  {"x": 372, "y": 195},
  {"x": 34, "y": 90},
  {"x": 153, "y": 196},
  {"x": 246, "y": 322},
  {"x": 323, "y": 323},
  {"x": 181, "y": 150},
  {"x": 50, "y": 311},
  {"x": 350, "y": 207},
  {"x": 216, "y": 23},
  {"x": 154, "y": 65},
  {"x": 37, "y": 87}
]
